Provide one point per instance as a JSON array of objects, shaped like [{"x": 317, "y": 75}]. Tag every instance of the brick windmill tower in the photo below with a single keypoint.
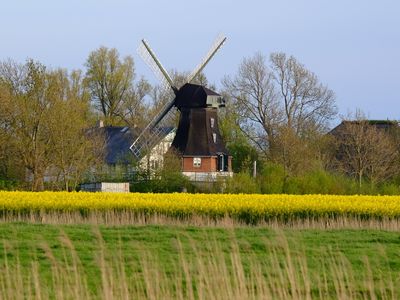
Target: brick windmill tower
[{"x": 198, "y": 141}]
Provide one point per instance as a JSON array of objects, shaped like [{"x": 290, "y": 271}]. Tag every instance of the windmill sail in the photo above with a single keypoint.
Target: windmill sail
[
  {"x": 149, "y": 57},
  {"x": 218, "y": 43},
  {"x": 161, "y": 124},
  {"x": 155, "y": 131}
]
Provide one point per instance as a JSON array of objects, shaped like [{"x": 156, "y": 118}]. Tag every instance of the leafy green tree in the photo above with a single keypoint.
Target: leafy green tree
[
  {"x": 8, "y": 169},
  {"x": 32, "y": 106},
  {"x": 73, "y": 151},
  {"x": 111, "y": 84},
  {"x": 44, "y": 123}
]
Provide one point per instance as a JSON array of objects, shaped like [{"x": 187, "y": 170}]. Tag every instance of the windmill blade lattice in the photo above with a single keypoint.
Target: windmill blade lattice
[
  {"x": 149, "y": 57},
  {"x": 218, "y": 43},
  {"x": 155, "y": 131}
]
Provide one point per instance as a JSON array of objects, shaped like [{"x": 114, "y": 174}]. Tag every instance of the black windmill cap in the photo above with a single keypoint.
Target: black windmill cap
[{"x": 193, "y": 95}]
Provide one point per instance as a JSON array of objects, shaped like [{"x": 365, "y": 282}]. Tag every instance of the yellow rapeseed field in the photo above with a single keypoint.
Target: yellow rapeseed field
[{"x": 244, "y": 207}]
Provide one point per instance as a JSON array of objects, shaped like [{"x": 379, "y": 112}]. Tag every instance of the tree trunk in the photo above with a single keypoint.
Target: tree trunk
[{"x": 38, "y": 181}]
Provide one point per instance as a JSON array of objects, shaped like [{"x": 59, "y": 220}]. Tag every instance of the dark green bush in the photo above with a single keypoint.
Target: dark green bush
[{"x": 8, "y": 185}]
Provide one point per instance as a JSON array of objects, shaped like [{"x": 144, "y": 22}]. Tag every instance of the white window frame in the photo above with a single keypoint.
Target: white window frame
[
  {"x": 212, "y": 121},
  {"x": 197, "y": 162},
  {"x": 214, "y": 135}
]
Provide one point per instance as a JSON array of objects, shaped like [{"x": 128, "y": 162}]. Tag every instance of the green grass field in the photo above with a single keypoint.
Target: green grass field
[{"x": 85, "y": 261}]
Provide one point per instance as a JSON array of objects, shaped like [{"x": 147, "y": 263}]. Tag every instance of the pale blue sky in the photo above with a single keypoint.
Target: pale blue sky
[{"x": 353, "y": 46}]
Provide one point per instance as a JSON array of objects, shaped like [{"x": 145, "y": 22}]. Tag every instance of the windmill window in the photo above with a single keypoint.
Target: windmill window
[
  {"x": 196, "y": 162},
  {"x": 212, "y": 122},
  {"x": 214, "y": 137}
]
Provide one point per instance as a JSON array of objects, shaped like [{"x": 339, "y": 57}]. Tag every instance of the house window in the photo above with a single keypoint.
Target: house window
[
  {"x": 214, "y": 137},
  {"x": 196, "y": 162},
  {"x": 212, "y": 122}
]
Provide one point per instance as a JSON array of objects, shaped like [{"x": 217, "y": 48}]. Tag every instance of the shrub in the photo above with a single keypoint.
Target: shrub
[
  {"x": 271, "y": 180},
  {"x": 8, "y": 185},
  {"x": 241, "y": 183}
]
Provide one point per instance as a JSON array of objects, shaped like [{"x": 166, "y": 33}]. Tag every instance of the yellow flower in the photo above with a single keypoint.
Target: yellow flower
[{"x": 238, "y": 206}]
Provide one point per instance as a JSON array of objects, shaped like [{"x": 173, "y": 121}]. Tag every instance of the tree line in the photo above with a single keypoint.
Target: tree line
[{"x": 278, "y": 114}]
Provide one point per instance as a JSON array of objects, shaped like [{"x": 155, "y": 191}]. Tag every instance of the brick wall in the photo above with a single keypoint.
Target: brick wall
[{"x": 208, "y": 164}]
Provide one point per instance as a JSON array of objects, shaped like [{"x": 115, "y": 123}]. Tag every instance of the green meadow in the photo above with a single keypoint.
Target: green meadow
[{"x": 40, "y": 261}]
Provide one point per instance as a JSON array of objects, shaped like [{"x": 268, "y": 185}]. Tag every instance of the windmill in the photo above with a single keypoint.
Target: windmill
[{"x": 197, "y": 141}]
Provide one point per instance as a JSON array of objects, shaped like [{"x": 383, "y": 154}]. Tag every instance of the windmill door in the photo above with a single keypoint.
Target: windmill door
[{"x": 222, "y": 162}]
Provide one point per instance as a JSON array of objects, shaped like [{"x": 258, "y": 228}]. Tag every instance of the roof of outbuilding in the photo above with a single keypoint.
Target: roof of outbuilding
[
  {"x": 379, "y": 124},
  {"x": 117, "y": 143},
  {"x": 118, "y": 140}
]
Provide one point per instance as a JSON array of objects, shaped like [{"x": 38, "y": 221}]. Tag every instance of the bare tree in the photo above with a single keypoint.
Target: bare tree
[
  {"x": 280, "y": 103},
  {"x": 364, "y": 151},
  {"x": 281, "y": 108},
  {"x": 255, "y": 101},
  {"x": 306, "y": 102},
  {"x": 284, "y": 94}
]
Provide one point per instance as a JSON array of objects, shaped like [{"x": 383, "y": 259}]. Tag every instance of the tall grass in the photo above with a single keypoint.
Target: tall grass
[
  {"x": 122, "y": 218},
  {"x": 196, "y": 274}
]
